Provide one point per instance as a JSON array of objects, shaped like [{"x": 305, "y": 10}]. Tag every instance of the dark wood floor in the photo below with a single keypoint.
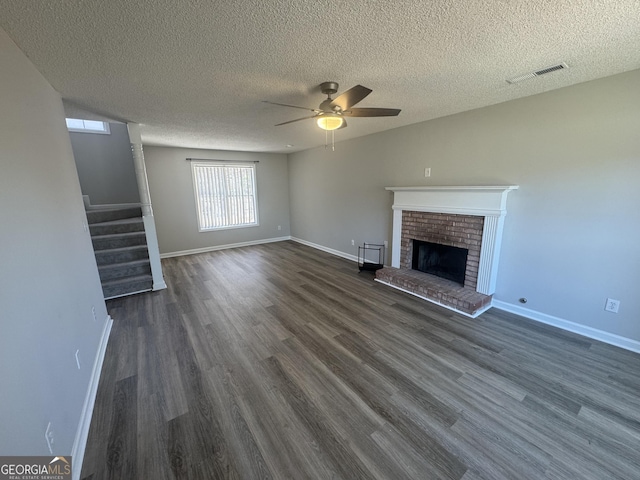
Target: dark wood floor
[{"x": 281, "y": 361}]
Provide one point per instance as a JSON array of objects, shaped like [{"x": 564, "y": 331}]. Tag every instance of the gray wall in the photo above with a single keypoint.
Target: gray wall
[
  {"x": 48, "y": 275},
  {"x": 105, "y": 166},
  {"x": 174, "y": 208},
  {"x": 572, "y": 229}
]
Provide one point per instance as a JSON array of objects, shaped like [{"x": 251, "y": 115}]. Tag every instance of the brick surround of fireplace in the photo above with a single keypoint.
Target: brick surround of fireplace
[{"x": 463, "y": 231}]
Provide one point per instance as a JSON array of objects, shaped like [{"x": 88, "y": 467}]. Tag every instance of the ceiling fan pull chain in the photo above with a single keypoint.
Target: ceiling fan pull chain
[{"x": 333, "y": 140}]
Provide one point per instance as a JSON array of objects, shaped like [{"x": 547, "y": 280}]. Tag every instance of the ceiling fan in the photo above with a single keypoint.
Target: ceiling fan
[{"x": 331, "y": 113}]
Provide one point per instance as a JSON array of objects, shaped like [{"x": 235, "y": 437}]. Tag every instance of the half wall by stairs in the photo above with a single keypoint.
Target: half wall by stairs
[{"x": 120, "y": 246}]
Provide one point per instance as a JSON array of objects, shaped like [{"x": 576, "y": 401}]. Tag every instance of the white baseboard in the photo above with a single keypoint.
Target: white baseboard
[
  {"x": 222, "y": 247},
  {"x": 594, "y": 333},
  {"x": 80, "y": 442},
  {"x": 337, "y": 253}
]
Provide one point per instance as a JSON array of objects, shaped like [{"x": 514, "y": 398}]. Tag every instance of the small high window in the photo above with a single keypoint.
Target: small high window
[
  {"x": 87, "y": 126},
  {"x": 225, "y": 195}
]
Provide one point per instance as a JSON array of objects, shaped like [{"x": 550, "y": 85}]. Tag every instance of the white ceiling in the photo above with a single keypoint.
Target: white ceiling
[{"x": 193, "y": 73}]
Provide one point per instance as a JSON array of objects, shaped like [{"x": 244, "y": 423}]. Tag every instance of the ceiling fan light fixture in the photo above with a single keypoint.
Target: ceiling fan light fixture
[{"x": 330, "y": 122}]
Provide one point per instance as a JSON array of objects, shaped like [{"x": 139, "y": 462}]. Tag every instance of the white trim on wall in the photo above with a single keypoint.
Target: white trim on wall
[
  {"x": 589, "y": 332},
  {"x": 337, "y": 253},
  {"x": 82, "y": 433},
  {"x": 195, "y": 251},
  {"x": 222, "y": 247}
]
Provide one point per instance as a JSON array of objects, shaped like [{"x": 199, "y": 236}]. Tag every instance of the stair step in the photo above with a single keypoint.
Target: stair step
[
  {"x": 118, "y": 240},
  {"x": 121, "y": 255},
  {"x": 124, "y": 269},
  {"x": 125, "y": 225},
  {"x": 105, "y": 215},
  {"x": 127, "y": 286}
]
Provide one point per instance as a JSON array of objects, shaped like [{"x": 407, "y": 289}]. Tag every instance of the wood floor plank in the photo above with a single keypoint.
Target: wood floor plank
[
  {"x": 152, "y": 439},
  {"x": 242, "y": 443},
  {"x": 279, "y": 361},
  {"x": 288, "y": 452},
  {"x": 346, "y": 464},
  {"x": 326, "y": 378},
  {"x": 121, "y": 452},
  {"x": 411, "y": 457}
]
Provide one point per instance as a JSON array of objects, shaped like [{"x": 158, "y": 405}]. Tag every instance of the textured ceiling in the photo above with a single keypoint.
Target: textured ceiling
[{"x": 193, "y": 73}]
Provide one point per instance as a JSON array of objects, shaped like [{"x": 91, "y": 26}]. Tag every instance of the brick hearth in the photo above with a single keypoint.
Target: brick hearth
[{"x": 436, "y": 289}]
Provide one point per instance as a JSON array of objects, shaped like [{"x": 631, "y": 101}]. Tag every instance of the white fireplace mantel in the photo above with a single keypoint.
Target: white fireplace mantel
[
  {"x": 463, "y": 200},
  {"x": 485, "y": 201}
]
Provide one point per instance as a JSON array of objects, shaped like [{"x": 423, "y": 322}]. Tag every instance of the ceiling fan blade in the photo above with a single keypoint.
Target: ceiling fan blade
[
  {"x": 292, "y": 106},
  {"x": 296, "y": 120},
  {"x": 371, "y": 112},
  {"x": 349, "y": 98}
]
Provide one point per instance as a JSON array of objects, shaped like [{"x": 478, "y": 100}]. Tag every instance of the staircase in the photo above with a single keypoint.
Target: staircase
[{"x": 120, "y": 246}]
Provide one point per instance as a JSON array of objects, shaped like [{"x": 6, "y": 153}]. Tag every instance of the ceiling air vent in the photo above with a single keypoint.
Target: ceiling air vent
[{"x": 537, "y": 73}]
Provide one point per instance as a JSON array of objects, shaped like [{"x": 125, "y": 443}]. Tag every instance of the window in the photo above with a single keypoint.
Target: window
[
  {"x": 225, "y": 195},
  {"x": 87, "y": 126}
]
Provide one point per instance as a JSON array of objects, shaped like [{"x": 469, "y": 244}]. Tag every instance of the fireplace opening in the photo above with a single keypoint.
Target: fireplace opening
[{"x": 441, "y": 260}]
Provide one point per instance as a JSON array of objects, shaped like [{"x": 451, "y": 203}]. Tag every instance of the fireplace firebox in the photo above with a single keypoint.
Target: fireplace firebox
[{"x": 441, "y": 260}]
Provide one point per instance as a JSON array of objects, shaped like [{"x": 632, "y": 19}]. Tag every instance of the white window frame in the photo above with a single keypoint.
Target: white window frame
[
  {"x": 87, "y": 126},
  {"x": 206, "y": 226}
]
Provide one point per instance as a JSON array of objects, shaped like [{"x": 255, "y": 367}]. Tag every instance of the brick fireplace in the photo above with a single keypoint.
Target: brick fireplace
[
  {"x": 469, "y": 217},
  {"x": 464, "y": 231}
]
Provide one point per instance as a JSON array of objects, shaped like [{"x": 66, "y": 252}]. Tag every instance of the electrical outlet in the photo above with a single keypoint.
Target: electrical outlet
[
  {"x": 353, "y": 242},
  {"x": 612, "y": 305},
  {"x": 427, "y": 172},
  {"x": 48, "y": 436},
  {"x": 279, "y": 227}
]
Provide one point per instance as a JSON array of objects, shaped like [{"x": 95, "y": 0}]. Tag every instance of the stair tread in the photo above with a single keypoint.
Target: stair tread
[
  {"x": 111, "y": 214},
  {"x": 122, "y": 221},
  {"x": 114, "y": 209},
  {"x": 109, "y": 208},
  {"x": 124, "y": 280},
  {"x": 121, "y": 249},
  {"x": 120, "y": 234},
  {"x": 130, "y": 263}
]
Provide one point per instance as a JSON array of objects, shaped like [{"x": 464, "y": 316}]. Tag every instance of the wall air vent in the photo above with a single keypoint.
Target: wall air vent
[{"x": 537, "y": 73}]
